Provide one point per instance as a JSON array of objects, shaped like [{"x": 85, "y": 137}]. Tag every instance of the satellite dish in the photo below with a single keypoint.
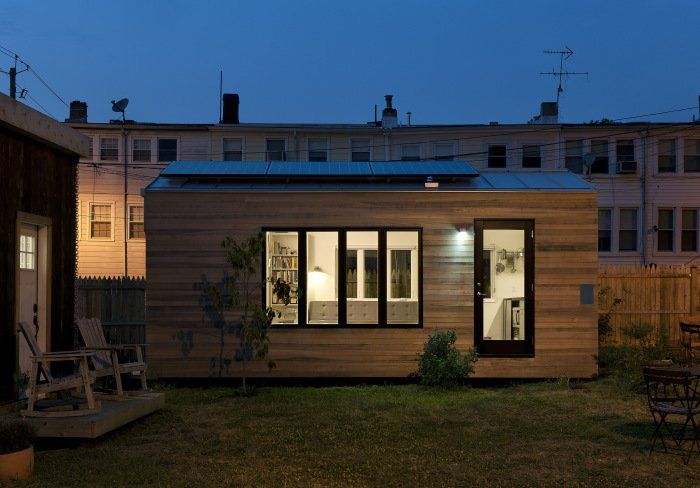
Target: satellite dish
[
  {"x": 120, "y": 105},
  {"x": 589, "y": 159}
]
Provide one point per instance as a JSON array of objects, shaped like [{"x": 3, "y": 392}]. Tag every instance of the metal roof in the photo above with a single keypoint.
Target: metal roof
[
  {"x": 305, "y": 169},
  {"x": 357, "y": 176}
]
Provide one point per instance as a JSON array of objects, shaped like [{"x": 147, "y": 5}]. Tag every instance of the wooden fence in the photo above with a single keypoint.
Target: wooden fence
[
  {"x": 118, "y": 302},
  {"x": 658, "y": 296}
]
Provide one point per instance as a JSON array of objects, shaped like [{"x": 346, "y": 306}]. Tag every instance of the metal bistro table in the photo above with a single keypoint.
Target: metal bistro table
[{"x": 690, "y": 341}]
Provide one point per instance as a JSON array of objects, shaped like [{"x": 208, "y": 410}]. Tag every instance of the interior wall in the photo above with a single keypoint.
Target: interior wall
[
  {"x": 505, "y": 284},
  {"x": 322, "y": 252}
]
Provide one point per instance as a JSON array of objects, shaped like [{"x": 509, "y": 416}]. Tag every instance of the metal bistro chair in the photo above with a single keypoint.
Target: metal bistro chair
[
  {"x": 673, "y": 392},
  {"x": 690, "y": 343}
]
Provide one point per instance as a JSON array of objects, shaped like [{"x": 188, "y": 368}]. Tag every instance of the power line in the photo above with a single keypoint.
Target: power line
[{"x": 17, "y": 57}]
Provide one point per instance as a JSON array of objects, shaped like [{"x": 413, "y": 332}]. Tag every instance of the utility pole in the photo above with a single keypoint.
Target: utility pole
[
  {"x": 563, "y": 56},
  {"x": 13, "y": 77}
]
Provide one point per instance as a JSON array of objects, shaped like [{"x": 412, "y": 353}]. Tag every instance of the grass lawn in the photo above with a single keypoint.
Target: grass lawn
[{"x": 537, "y": 433}]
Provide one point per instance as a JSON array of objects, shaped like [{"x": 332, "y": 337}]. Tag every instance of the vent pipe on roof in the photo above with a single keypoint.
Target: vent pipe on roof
[
  {"x": 231, "y": 103},
  {"x": 78, "y": 112},
  {"x": 389, "y": 114}
]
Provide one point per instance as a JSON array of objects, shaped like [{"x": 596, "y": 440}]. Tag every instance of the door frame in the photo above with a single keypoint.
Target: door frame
[
  {"x": 505, "y": 348},
  {"x": 44, "y": 267}
]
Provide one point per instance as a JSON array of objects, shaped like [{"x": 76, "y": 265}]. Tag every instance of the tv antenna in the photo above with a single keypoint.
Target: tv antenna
[{"x": 563, "y": 56}]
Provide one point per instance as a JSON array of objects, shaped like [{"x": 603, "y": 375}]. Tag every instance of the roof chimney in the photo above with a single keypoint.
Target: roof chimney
[
  {"x": 549, "y": 113},
  {"x": 78, "y": 112},
  {"x": 230, "y": 113},
  {"x": 389, "y": 114}
]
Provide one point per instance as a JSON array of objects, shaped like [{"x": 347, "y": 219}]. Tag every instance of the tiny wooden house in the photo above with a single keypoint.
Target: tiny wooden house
[
  {"x": 381, "y": 254},
  {"x": 38, "y": 162}
]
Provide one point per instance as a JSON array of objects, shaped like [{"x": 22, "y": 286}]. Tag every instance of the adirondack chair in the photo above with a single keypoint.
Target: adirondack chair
[
  {"x": 41, "y": 366},
  {"x": 105, "y": 361}
]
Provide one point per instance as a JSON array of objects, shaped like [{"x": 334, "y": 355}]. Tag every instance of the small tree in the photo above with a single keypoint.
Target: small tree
[
  {"x": 235, "y": 296},
  {"x": 442, "y": 364}
]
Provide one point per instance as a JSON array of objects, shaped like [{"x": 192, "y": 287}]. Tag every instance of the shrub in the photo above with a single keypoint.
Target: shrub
[
  {"x": 16, "y": 436},
  {"x": 442, "y": 364}
]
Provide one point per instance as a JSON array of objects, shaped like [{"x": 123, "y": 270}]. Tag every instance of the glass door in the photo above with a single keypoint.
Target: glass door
[{"x": 504, "y": 287}]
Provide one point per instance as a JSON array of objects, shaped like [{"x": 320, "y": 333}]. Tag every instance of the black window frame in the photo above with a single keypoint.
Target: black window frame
[
  {"x": 505, "y": 348},
  {"x": 342, "y": 285}
]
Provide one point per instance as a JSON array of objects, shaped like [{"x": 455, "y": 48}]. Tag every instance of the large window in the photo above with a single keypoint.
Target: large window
[
  {"x": 625, "y": 151},
  {"x": 689, "y": 230},
  {"x": 604, "y": 230},
  {"x": 360, "y": 149},
  {"x": 532, "y": 156},
  {"x": 574, "y": 155},
  {"x": 628, "y": 229},
  {"x": 167, "y": 150},
  {"x": 345, "y": 277},
  {"x": 275, "y": 150},
  {"x": 691, "y": 159},
  {"x": 599, "y": 148},
  {"x": 109, "y": 148},
  {"x": 497, "y": 156},
  {"x": 100, "y": 221},
  {"x": 667, "y": 156},
  {"x": 318, "y": 149},
  {"x": 141, "y": 150},
  {"x": 233, "y": 149}
]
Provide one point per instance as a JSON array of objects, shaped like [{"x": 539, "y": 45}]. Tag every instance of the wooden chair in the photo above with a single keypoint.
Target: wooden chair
[
  {"x": 690, "y": 343},
  {"x": 673, "y": 392},
  {"x": 105, "y": 361},
  {"x": 41, "y": 366}
]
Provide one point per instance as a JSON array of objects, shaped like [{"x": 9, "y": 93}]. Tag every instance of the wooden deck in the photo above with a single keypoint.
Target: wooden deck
[{"x": 112, "y": 415}]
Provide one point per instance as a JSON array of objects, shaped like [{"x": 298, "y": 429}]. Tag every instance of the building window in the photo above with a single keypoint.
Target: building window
[
  {"x": 27, "y": 252},
  {"x": 532, "y": 156},
  {"x": 497, "y": 156},
  {"x": 628, "y": 229},
  {"x": 410, "y": 152},
  {"x": 141, "y": 150},
  {"x": 625, "y": 151},
  {"x": 136, "y": 222},
  {"x": 318, "y": 149},
  {"x": 167, "y": 150},
  {"x": 100, "y": 221},
  {"x": 691, "y": 157},
  {"x": 90, "y": 153},
  {"x": 233, "y": 149},
  {"x": 604, "y": 230},
  {"x": 366, "y": 277},
  {"x": 667, "y": 156},
  {"x": 445, "y": 151},
  {"x": 664, "y": 236},
  {"x": 689, "y": 230},
  {"x": 360, "y": 149},
  {"x": 275, "y": 150},
  {"x": 599, "y": 148},
  {"x": 574, "y": 156},
  {"x": 109, "y": 149}
]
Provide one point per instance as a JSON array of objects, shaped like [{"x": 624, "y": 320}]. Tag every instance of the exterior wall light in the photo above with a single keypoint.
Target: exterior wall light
[{"x": 429, "y": 183}]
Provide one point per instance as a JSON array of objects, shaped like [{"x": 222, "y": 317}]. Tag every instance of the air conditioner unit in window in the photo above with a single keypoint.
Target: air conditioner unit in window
[{"x": 626, "y": 167}]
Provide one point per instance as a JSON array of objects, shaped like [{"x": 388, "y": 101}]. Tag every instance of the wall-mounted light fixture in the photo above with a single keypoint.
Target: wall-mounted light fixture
[
  {"x": 464, "y": 231},
  {"x": 429, "y": 183}
]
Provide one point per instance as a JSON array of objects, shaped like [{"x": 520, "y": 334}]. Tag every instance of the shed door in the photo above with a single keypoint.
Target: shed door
[
  {"x": 28, "y": 288},
  {"x": 504, "y": 287}
]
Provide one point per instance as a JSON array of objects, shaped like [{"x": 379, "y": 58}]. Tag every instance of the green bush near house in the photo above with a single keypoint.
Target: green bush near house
[{"x": 442, "y": 364}]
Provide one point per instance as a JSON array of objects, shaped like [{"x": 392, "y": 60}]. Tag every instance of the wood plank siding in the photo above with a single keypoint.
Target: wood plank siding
[{"x": 185, "y": 230}]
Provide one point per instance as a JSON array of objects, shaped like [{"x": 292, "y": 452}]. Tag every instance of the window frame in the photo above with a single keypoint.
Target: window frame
[
  {"x": 223, "y": 148},
  {"x": 636, "y": 229},
  {"x": 453, "y": 151},
  {"x": 660, "y": 154},
  {"x": 611, "y": 229},
  {"x": 111, "y": 221},
  {"x": 695, "y": 154},
  {"x": 671, "y": 231},
  {"x": 133, "y": 149},
  {"x": 488, "y": 155},
  {"x": 369, "y": 147},
  {"x": 382, "y": 263},
  {"x": 327, "y": 141},
  {"x": 177, "y": 149},
  {"x": 574, "y": 157},
  {"x": 130, "y": 221},
  {"x": 104, "y": 158},
  {"x": 412, "y": 158},
  {"x": 592, "y": 143},
  {"x": 695, "y": 230},
  {"x": 285, "y": 149},
  {"x": 529, "y": 144}
]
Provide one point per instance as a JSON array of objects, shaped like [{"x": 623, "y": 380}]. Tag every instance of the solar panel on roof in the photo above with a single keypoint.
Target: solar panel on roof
[
  {"x": 215, "y": 168},
  {"x": 422, "y": 168}
]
